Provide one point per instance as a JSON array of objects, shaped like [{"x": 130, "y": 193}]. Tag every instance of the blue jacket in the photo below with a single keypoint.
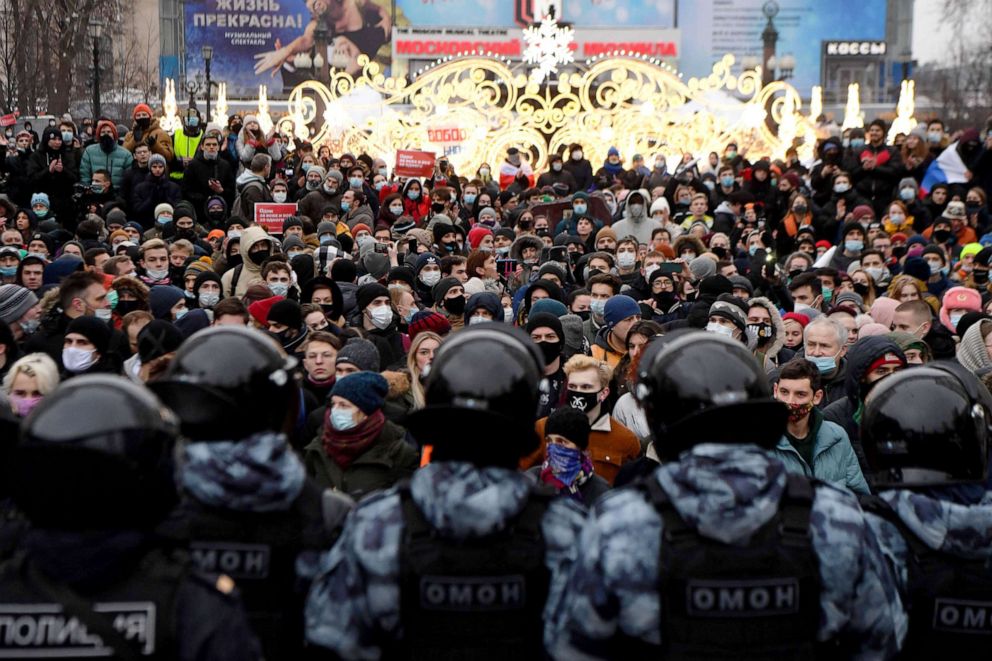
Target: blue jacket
[{"x": 834, "y": 460}]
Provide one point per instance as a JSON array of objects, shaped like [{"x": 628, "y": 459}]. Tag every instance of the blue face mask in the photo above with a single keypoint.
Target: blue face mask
[
  {"x": 907, "y": 194},
  {"x": 8, "y": 271},
  {"x": 825, "y": 364},
  {"x": 413, "y": 194},
  {"x": 857, "y": 143},
  {"x": 727, "y": 182},
  {"x": 356, "y": 182},
  {"x": 325, "y": 239},
  {"x": 193, "y": 122},
  {"x": 854, "y": 246},
  {"x": 469, "y": 198},
  {"x": 565, "y": 463},
  {"x": 598, "y": 306},
  {"x": 163, "y": 220},
  {"x": 579, "y": 208},
  {"x": 345, "y": 205},
  {"x": 752, "y": 250},
  {"x": 342, "y": 420},
  {"x": 181, "y": 313}
]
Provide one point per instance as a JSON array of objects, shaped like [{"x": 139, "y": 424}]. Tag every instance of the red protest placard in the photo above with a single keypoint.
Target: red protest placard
[
  {"x": 410, "y": 163},
  {"x": 9, "y": 120},
  {"x": 271, "y": 214}
]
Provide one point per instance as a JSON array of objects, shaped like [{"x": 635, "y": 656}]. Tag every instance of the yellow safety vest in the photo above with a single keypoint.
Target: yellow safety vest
[{"x": 184, "y": 146}]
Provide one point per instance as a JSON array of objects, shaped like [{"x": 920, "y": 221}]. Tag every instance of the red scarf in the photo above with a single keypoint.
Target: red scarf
[{"x": 345, "y": 446}]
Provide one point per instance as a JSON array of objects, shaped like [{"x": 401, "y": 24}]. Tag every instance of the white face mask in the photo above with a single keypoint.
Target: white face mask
[
  {"x": 156, "y": 274},
  {"x": 472, "y": 321},
  {"x": 279, "y": 197},
  {"x": 430, "y": 278},
  {"x": 626, "y": 259},
  {"x": 208, "y": 300},
  {"x": 381, "y": 317},
  {"x": 714, "y": 327},
  {"x": 396, "y": 210},
  {"x": 78, "y": 360},
  {"x": 508, "y": 315},
  {"x": 648, "y": 270},
  {"x": 104, "y": 314}
]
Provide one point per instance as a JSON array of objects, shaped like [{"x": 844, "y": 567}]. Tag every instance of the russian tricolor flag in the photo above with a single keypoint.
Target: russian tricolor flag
[{"x": 948, "y": 168}]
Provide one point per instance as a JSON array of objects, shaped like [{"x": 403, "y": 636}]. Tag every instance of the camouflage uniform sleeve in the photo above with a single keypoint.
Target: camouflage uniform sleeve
[
  {"x": 893, "y": 547},
  {"x": 353, "y": 603},
  {"x": 561, "y": 527},
  {"x": 859, "y": 599},
  {"x": 612, "y": 592}
]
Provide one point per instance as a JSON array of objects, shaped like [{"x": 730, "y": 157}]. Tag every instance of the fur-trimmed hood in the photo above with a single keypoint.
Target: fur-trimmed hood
[{"x": 778, "y": 325}]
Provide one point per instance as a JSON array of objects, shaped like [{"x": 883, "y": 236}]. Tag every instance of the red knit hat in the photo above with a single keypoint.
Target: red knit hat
[
  {"x": 476, "y": 235},
  {"x": 259, "y": 310},
  {"x": 108, "y": 123},
  {"x": 797, "y": 317},
  {"x": 142, "y": 107},
  {"x": 359, "y": 227},
  {"x": 428, "y": 320}
]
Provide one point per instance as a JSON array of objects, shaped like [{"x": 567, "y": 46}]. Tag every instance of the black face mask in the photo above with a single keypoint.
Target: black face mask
[
  {"x": 582, "y": 401},
  {"x": 763, "y": 332},
  {"x": 260, "y": 256},
  {"x": 124, "y": 307},
  {"x": 899, "y": 251},
  {"x": 585, "y": 314},
  {"x": 107, "y": 143},
  {"x": 216, "y": 216},
  {"x": 437, "y": 207},
  {"x": 719, "y": 251},
  {"x": 550, "y": 350},
  {"x": 455, "y": 306},
  {"x": 980, "y": 276},
  {"x": 861, "y": 289},
  {"x": 186, "y": 233},
  {"x": 235, "y": 128},
  {"x": 665, "y": 300},
  {"x": 328, "y": 309},
  {"x": 234, "y": 260},
  {"x": 143, "y": 123},
  {"x": 940, "y": 236}
]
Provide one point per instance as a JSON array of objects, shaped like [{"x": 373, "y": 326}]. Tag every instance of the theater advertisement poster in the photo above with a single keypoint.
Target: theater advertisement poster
[{"x": 271, "y": 42}]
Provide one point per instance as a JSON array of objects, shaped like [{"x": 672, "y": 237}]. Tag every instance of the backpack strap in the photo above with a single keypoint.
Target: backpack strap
[
  {"x": 794, "y": 510},
  {"x": 77, "y": 607},
  {"x": 235, "y": 278}
]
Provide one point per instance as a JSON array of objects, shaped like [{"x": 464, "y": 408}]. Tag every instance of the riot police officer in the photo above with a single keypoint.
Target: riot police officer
[
  {"x": 926, "y": 432},
  {"x": 94, "y": 475},
  {"x": 460, "y": 561},
  {"x": 720, "y": 553},
  {"x": 248, "y": 508}
]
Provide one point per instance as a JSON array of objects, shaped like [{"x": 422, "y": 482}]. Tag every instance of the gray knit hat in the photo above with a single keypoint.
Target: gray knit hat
[
  {"x": 15, "y": 301},
  {"x": 360, "y": 353}
]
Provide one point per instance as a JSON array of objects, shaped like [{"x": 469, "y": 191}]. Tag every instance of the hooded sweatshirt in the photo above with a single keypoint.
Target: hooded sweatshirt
[
  {"x": 640, "y": 226},
  {"x": 250, "y": 271},
  {"x": 727, "y": 493}
]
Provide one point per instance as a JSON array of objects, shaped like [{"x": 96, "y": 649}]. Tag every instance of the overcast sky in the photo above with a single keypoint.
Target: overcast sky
[{"x": 929, "y": 39}]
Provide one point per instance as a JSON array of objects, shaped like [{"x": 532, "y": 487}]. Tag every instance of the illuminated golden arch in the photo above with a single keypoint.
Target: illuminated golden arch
[{"x": 624, "y": 100}]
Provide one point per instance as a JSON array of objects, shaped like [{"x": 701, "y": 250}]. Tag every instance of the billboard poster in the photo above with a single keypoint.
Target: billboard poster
[
  {"x": 718, "y": 27},
  {"x": 271, "y": 42},
  {"x": 508, "y": 13}
]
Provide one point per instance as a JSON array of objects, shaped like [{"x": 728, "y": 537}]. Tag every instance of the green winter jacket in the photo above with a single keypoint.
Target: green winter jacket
[
  {"x": 833, "y": 458},
  {"x": 389, "y": 460},
  {"x": 116, "y": 163}
]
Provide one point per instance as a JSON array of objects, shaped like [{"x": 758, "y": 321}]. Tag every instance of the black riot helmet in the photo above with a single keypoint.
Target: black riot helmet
[
  {"x": 96, "y": 454},
  {"x": 226, "y": 383},
  {"x": 481, "y": 397},
  {"x": 927, "y": 426},
  {"x": 697, "y": 387}
]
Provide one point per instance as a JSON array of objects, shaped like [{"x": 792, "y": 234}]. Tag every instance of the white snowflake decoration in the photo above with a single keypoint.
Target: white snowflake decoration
[{"x": 548, "y": 46}]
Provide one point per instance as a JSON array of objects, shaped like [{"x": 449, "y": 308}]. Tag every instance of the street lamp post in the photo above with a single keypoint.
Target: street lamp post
[
  {"x": 95, "y": 30},
  {"x": 208, "y": 54}
]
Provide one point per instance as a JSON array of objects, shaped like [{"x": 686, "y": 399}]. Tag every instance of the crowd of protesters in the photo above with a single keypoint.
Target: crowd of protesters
[{"x": 121, "y": 243}]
